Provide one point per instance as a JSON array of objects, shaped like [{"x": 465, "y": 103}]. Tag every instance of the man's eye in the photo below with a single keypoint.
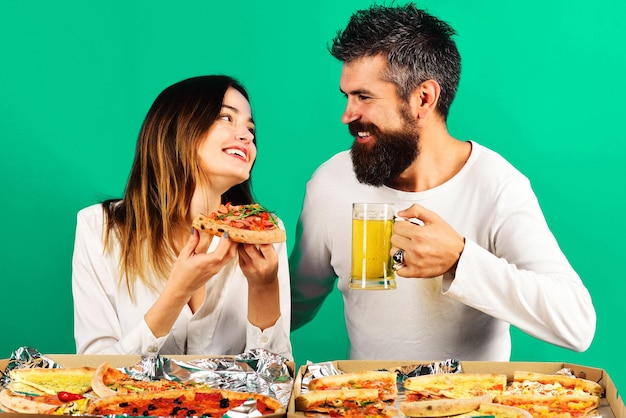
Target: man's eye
[{"x": 363, "y": 97}]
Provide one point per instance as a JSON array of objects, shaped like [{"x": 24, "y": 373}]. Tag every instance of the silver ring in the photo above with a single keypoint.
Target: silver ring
[{"x": 398, "y": 256}]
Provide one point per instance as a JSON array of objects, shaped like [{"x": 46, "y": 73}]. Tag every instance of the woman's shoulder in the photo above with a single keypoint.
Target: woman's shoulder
[
  {"x": 94, "y": 215},
  {"x": 93, "y": 212}
]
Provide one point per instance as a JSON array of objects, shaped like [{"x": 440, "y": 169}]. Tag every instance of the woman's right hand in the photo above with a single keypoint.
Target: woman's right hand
[{"x": 192, "y": 270}]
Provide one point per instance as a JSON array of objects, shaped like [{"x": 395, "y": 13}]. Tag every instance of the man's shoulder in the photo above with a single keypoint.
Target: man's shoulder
[
  {"x": 340, "y": 162},
  {"x": 491, "y": 162},
  {"x": 338, "y": 168}
]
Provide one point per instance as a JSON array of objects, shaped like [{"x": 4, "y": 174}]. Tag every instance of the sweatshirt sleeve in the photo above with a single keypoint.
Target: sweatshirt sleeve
[
  {"x": 525, "y": 279},
  {"x": 94, "y": 281},
  {"x": 312, "y": 275}
]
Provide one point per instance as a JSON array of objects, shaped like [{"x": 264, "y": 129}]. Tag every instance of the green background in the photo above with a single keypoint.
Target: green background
[{"x": 542, "y": 83}]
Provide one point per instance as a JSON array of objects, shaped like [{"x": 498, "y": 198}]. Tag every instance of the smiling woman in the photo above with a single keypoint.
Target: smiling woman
[{"x": 141, "y": 283}]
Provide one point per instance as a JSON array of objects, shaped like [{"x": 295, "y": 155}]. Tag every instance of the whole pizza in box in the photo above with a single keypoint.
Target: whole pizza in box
[{"x": 108, "y": 391}]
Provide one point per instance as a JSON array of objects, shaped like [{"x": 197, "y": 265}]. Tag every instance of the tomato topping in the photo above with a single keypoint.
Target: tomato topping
[{"x": 68, "y": 396}]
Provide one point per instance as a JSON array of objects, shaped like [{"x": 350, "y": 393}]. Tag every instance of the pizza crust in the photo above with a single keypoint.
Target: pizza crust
[
  {"x": 244, "y": 236},
  {"x": 500, "y": 411},
  {"x": 98, "y": 384},
  {"x": 443, "y": 407},
  {"x": 23, "y": 404}
]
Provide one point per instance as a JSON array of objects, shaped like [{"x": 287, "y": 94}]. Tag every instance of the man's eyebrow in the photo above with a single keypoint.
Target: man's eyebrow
[
  {"x": 234, "y": 109},
  {"x": 356, "y": 92}
]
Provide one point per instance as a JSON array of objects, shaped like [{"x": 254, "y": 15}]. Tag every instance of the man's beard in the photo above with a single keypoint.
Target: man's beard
[{"x": 392, "y": 153}]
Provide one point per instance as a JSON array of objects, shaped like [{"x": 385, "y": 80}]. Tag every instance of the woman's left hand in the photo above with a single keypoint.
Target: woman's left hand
[{"x": 259, "y": 263}]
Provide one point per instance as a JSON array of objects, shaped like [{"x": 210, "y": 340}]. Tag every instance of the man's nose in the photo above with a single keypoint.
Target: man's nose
[{"x": 350, "y": 113}]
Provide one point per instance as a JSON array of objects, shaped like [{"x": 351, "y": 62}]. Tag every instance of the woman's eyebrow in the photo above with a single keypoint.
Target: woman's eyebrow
[{"x": 234, "y": 109}]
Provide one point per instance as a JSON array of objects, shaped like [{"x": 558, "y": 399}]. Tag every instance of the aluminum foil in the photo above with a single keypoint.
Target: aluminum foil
[
  {"x": 25, "y": 357},
  {"x": 257, "y": 371}
]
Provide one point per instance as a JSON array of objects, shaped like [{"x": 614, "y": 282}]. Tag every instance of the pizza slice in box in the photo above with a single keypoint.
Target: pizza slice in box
[{"x": 383, "y": 381}]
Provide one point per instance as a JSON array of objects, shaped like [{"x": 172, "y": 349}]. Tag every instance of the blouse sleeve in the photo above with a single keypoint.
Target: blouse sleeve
[{"x": 94, "y": 286}]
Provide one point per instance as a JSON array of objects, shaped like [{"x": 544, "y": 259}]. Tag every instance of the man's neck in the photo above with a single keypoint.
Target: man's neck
[{"x": 440, "y": 158}]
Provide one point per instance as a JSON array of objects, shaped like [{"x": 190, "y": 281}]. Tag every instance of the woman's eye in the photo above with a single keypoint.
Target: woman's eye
[{"x": 226, "y": 117}]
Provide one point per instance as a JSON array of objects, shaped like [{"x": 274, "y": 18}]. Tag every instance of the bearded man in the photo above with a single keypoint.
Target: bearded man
[{"x": 482, "y": 256}]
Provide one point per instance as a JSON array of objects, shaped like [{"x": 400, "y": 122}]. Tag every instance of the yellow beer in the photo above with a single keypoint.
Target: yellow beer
[{"x": 371, "y": 243}]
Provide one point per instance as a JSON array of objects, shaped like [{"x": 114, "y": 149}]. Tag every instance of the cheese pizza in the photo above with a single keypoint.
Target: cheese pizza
[{"x": 454, "y": 385}]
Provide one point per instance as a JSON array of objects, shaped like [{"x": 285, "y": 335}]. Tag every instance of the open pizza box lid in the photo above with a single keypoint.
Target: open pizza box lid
[
  {"x": 95, "y": 360},
  {"x": 611, "y": 405}
]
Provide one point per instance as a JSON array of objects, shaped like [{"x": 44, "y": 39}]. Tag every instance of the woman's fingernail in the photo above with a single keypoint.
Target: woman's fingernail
[
  {"x": 192, "y": 230},
  {"x": 225, "y": 235}
]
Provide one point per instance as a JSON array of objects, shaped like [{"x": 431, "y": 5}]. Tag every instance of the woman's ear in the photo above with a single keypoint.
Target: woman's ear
[{"x": 424, "y": 99}]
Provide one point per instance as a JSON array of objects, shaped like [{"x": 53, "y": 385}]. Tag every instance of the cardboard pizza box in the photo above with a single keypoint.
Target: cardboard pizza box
[
  {"x": 95, "y": 360},
  {"x": 611, "y": 405}
]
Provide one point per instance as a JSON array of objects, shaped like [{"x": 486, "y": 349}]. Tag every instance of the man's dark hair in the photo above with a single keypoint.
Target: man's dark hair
[{"x": 417, "y": 45}]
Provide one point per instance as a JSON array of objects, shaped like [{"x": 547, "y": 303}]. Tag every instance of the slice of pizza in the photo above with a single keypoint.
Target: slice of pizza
[
  {"x": 52, "y": 381},
  {"x": 29, "y": 404},
  {"x": 182, "y": 403},
  {"x": 454, "y": 385},
  {"x": 248, "y": 224},
  {"x": 108, "y": 381},
  {"x": 544, "y": 384},
  {"x": 551, "y": 405},
  {"x": 342, "y": 402},
  {"x": 383, "y": 381}
]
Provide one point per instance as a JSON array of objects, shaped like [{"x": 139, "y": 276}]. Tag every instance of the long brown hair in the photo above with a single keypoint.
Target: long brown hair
[{"x": 163, "y": 177}]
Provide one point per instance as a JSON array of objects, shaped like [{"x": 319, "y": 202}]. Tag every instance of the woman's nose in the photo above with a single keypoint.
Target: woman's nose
[{"x": 244, "y": 134}]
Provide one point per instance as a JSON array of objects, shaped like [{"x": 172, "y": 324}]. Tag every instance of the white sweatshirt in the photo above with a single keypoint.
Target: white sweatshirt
[{"x": 511, "y": 271}]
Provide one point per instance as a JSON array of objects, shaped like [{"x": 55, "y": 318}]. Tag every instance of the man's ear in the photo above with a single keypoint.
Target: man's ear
[{"x": 424, "y": 99}]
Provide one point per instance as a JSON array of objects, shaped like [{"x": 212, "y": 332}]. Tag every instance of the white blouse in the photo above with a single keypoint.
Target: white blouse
[{"x": 108, "y": 321}]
